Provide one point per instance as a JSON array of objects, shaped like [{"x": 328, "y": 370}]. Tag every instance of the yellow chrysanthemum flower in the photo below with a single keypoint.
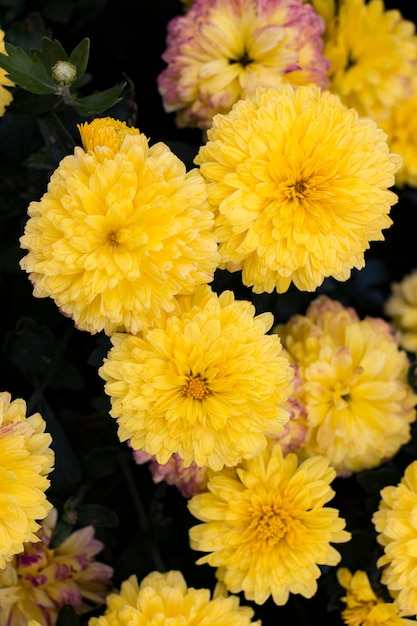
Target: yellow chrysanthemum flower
[
  {"x": 401, "y": 306},
  {"x": 221, "y": 50},
  {"x": 121, "y": 230},
  {"x": 206, "y": 383},
  {"x": 300, "y": 184},
  {"x": 353, "y": 384},
  {"x": 401, "y": 128},
  {"x": 372, "y": 52},
  {"x": 42, "y": 579},
  {"x": 266, "y": 525},
  {"x": 396, "y": 525},
  {"x": 5, "y": 95},
  {"x": 26, "y": 459},
  {"x": 166, "y": 599},
  {"x": 363, "y": 606}
]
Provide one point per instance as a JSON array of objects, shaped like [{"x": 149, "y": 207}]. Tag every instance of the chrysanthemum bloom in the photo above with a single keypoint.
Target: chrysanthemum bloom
[
  {"x": 300, "y": 186},
  {"x": 401, "y": 306},
  {"x": 401, "y": 128},
  {"x": 121, "y": 230},
  {"x": 221, "y": 50},
  {"x": 166, "y": 599},
  {"x": 5, "y": 95},
  {"x": 188, "y": 480},
  {"x": 42, "y": 579},
  {"x": 266, "y": 526},
  {"x": 353, "y": 384},
  {"x": 396, "y": 525},
  {"x": 26, "y": 459},
  {"x": 363, "y": 606},
  {"x": 206, "y": 383},
  {"x": 372, "y": 52}
]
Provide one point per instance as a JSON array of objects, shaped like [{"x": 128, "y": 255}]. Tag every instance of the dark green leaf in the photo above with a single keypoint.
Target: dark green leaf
[
  {"x": 97, "y": 515},
  {"x": 374, "y": 480},
  {"x": 61, "y": 531},
  {"x": 25, "y": 102},
  {"x": 56, "y": 137},
  {"x": 67, "y": 617},
  {"x": 27, "y": 72},
  {"x": 79, "y": 56},
  {"x": 98, "y": 102},
  {"x": 49, "y": 53}
]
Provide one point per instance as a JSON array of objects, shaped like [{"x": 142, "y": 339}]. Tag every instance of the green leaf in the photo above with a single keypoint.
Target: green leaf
[
  {"x": 373, "y": 481},
  {"x": 49, "y": 53},
  {"x": 29, "y": 73},
  {"x": 56, "y": 137},
  {"x": 67, "y": 617},
  {"x": 98, "y": 102},
  {"x": 97, "y": 515},
  {"x": 79, "y": 56}
]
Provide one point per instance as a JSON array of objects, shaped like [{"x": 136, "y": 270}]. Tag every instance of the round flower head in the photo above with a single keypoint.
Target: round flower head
[
  {"x": 363, "y": 606},
  {"x": 42, "y": 579},
  {"x": 372, "y": 52},
  {"x": 26, "y": 459},
  {"x": 396, "y": 525},
  {"x": 5, "y": 95},
  {"x": 266, "y": 525},
  {"x": 221, "y": 50},
  {"x": 121, "y": 230},
  {"x": 353, "y": 385},
  {"x": 165, "y": 599},
  {"x": 401, "y": 128},
  {"x": 206, "y": 383},
  {"x": 300, "y": 186},
  {"x": 401, "y": 306}
]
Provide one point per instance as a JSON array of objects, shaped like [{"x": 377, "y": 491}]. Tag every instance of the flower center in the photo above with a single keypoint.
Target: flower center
[
  {"x": 272, "y": 523},
  {"x": 195, "y": 387},
  {"x": 243, "y": 60},
  {"x": 112, "y": 239},
  {"x": 297, "y": 190}
]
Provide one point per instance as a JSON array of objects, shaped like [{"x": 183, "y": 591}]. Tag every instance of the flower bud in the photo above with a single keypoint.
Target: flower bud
[{"x": 64, "y": 72}]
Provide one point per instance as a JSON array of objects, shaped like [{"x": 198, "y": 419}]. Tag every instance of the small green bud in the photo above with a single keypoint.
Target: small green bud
[{"x": 64, "y": 72}]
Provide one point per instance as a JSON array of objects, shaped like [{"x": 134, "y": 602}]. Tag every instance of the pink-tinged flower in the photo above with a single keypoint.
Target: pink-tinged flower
[
  {"x": 188, "y": 480},
  {"x": 38, "y": 582},
  {"x": 221, "y": 50}
]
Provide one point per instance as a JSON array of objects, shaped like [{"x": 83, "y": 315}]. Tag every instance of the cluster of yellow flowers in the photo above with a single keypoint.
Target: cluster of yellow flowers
[{"x": 290, "y": 186}]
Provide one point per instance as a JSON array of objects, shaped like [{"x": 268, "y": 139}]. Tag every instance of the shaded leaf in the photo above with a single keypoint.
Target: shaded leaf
[
  {"x": 56, "y": 137},
  {"x": 373, "y": 481},
  {"x": 97, "y": 515},
  {"x": 67, "y": 617},
  {"x": 79, "y": 56},
  {"x": 29, "y": 73},
  {"x": 98, "y": 102}
]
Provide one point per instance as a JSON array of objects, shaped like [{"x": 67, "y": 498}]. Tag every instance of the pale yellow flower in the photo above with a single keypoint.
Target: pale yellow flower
[
  {"x": 221, "y": 50},
  {"x": 42, "y": 579},
  {"x": 396, "y": 525},
  {"x": 353, "y": 384},
  {"x": 372, "y": 52},
  {"x": 363, "y": 606},
  {"x": 5, "y": 95},
  {"x": 26, "y": 459},
  {"x": 121, "y": 230},
  {"x": 401, "y": 306},
  {"x": 206, "y": 383},
  {"x": 165, "y": 599},
  {"x": 300, "y": 185}
]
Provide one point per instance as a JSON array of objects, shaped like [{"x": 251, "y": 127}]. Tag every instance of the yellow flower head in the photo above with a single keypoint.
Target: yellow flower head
[
  {"x": 120, "y": 231},
  {"x": 221, "y": 50},
  {"x": 396, "y": 525},
  {"x": 105, "y": 131},
  {"x": 266, "y": 525},
  {"x": 300, "y": 185},
  {"x": 165, "y": 599},
  {"x": 372, "y": 52},
  {"x": 5, "y": 95},
  {"x": 206, "y": 383},
  {"x": 353, "y": 384},
  {"x": 26, "y": 459},
  {"x": 363, "y": 606},
  {"x": 42, "y": 579},
  {"x": 401, "y": 306}
]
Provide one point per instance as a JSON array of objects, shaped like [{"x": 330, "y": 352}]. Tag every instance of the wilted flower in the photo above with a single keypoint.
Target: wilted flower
[
  {"x": 221, "y": 50},
  {"x": 266, "y": 525},
  {"x": 401, "y": 306},
  {"x": 396, "y": 525},
  {"x": 166, "y": 599},
  {"x": 363, "y": 606},
  {"x": 188, "y": 480},
  {"x": 5, "y": 95},
  {"x": 26, "y": 459},
  {"x": 372, "y": 52},
  {"x": 300, "y": 184},
  {"x": 121, "y": 230},
  {"x": 206, "y": 383},
  {"x": 44, "y": 577},
  {"x": 353, "y": 385}
]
